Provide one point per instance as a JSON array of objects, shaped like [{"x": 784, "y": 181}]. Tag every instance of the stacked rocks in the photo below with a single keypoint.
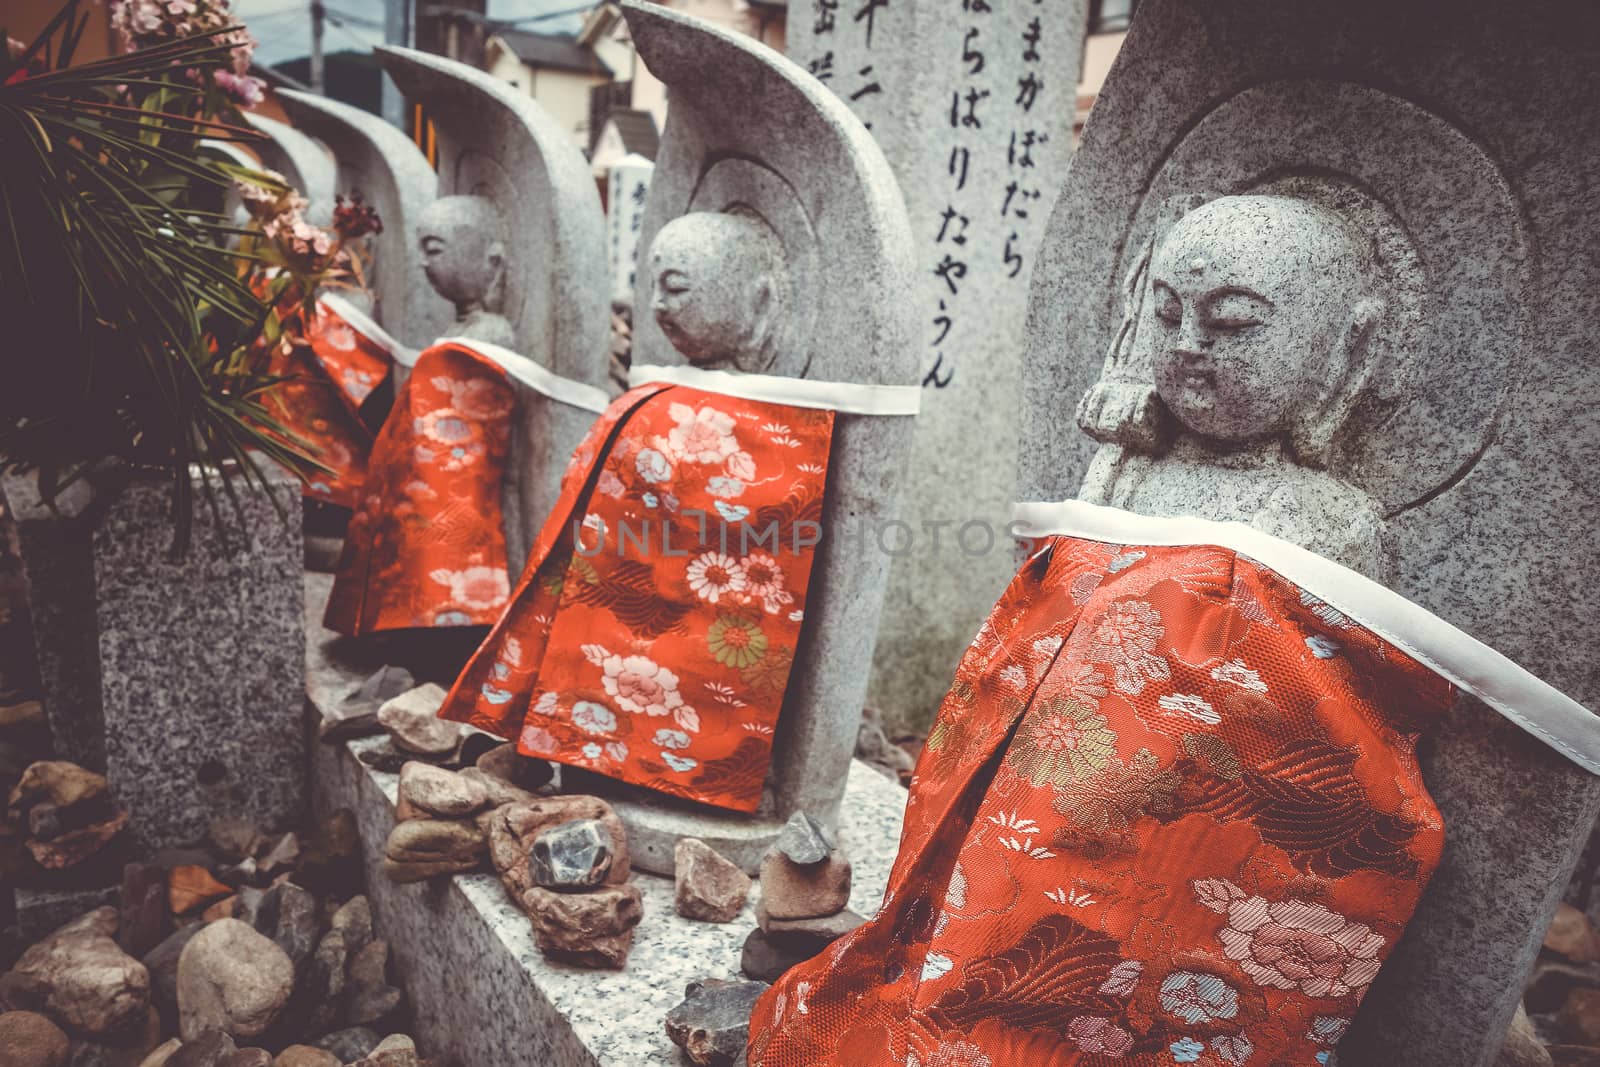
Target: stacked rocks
[
  {"x": 64, "y": 813},
  {"x": 805, "y": 890},
  {"x": 564, "y": 860}
]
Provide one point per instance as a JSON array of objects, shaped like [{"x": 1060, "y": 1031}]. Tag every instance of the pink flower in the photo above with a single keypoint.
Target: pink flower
[
  {"x": 701, "y": 436},
  {"x": 1093, "y": 1033},
  {"x": 742, "y": 465},
  {"x": 475, "y": 588},
  {"x": 640, "y": 685},
  {"x": 1293, "y": 944}
]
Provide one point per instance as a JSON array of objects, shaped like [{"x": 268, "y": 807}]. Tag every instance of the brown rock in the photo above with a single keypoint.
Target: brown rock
[
  {"x": 1572, "y": 937},
  {"x": 233, "y": 839},
  {"x": 440, "y": 792},
  {"x": 1579, "y": 1018},
  {"x": 143, "y": 918},
  {"x": 762, "y": 960},
  {"x": 247, "y": 1057},
  {"x": 281, "y": 854},
  {"x": 593, "y": 929},
  {"x": 203, "y": 1050},
  {"x": 427, "y": 848},
  {"x": 809, "y": 936},
  {"x": 306, "y": 1056},
  {"x": 1552, "y": 980},
  {"x": 497, "y": 792},
  {"x": 707, "y": 886},
  {"x": 406, "y": 873},
  {"x": 713, "y": 1022},
  {"x": 83, "y": 979},
  {"x": 508, "y": 765},
  {"x": 192, "y": 887},
  {"x": 792, "y": 891},
  {"x": 75, "y": 846},
  {"x": 513, "y": 829},
  {"x": 28, "y": 1039},
  {"x": 1574, "y": 1056},
  {"x": 1522, "y": 1047},
  {"x": 58, "y": 782},
  {"x": 226, "y": 908}
]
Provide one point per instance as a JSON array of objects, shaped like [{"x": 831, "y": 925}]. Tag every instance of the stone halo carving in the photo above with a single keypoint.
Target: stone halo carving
[
  {"x": 738, "y": 184},
  {"x": 1452, "y": 248}
]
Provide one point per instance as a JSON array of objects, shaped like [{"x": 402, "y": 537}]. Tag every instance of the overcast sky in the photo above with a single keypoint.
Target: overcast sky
[{"x": 284, "y": 26}]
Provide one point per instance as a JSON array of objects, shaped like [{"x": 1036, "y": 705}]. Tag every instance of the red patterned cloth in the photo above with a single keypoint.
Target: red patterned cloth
[
  {"x": 1170, "y": 813},
  {"x": 426, "y": 546},
  {"x": 660, "y": 651},
  {"x": 320, "y": 401}
]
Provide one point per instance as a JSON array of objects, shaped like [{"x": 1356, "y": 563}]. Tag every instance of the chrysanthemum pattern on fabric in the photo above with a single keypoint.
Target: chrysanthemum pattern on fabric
[
  {"x": 657, "y": 649},
  {"x": 426, "y": 546},
  {"x": 1164, "y": 817}
]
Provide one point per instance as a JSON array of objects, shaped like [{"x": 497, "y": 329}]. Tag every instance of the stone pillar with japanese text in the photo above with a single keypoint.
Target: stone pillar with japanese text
[
  {"x": 972, "y": 102},
  {"x": 628, "y": 185}
]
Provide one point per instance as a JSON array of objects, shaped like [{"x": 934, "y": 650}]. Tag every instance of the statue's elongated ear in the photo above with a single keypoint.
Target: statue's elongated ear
[{"x": 1351, "y": 366}]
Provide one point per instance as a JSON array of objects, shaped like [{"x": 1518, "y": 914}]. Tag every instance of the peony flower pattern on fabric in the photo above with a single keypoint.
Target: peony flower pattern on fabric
[
  {"x": 426, "y": 546},
  {"x": 1163, "y": 818},
  {"x": 652, "y": 635}
]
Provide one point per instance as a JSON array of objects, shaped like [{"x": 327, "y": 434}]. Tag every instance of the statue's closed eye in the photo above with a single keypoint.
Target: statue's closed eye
[
  {"x": 1237, "y": 309},
  {"x": 1169, "y": 309}
]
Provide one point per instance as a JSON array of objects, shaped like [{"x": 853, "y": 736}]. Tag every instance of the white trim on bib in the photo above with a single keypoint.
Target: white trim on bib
[{"x": 851, "y": 398}]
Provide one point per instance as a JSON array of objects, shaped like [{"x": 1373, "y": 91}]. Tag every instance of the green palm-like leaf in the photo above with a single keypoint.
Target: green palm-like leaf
[{"x": 126, "y": 321}]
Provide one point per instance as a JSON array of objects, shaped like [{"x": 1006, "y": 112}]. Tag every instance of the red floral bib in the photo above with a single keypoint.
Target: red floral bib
[
  {"x": 426, "y": 545},
  {"x": 320, "y": 401},
  {"x": 1170, "y": 813},
  {"x": 651, "y": 636}
]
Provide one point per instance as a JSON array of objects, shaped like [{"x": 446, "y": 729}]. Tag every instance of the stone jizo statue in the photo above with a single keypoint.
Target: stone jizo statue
[
  {"x": 1252, "y": 349},
  {"x": 464, "y": 259},
  {"x": 719, "y": 290}
]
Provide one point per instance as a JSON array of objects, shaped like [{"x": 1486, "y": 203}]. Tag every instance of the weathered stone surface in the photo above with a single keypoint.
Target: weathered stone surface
[
  {"x": 513, "y": 829},
  {"x": 572, "y": 856},
  {"x": 712, "y": 1025},
  {"x": 354, "y": 921},
  {"x": 58, "y": 782},
  {"x": 808, "y": 936},
  {"x": 203, "y": 1050},
  {"x": 497, "y": 792},
  {"x": 247, "y": 1057},
  {"x": 706, "y": 886},
  {"x": 440, "y": 792},
  {"x": 232, "y": 838},
  {"x": 306, "y": 1056},
  {"x": 766, "y": 962},
  {"x": 413, "y": 723},
  {"x": 81, "y": 977},
  {"x": 291, "y": 917},
  {"x": 28, "y": 1039},
  {"x": 790, "y": 891},
  {"x": 349, "y": 1044},
  {"x": 320, "y": 997},
  {"x": 162, "y": 963},
  {"x": 426, "y": 848},
  {"x": 1482, "y": 435},
  {"x": 1522, "y": 1047},
  {"x": 41, "y": 912},
  {"x": 122, "y": 1050},
  {"x": 368, "y": 995},
  {"x": 804, "y": 840},
  {"x": 593, "y": 929},
  {"x": 143, "y": 915},
  {"x": 509, "y": 765},
  {"x": 978, "y": 195},
  {"x": 233, "y": 979}
]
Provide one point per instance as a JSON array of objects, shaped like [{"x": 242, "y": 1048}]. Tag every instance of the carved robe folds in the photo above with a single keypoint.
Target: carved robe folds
[
  {"x": 1170, "y": 813},
  {"x": 656, "y": 647}
]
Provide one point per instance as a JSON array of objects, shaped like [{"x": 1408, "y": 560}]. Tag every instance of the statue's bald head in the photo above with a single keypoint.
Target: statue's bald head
[
  {"x": 719, "y": 287},
  {"x": 463, "y": 252}
]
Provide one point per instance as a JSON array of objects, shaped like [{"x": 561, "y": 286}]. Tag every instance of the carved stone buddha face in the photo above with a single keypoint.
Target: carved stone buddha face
[
  {"x": 464, "y": 260},
  {"x": 1263, "y": 306},
  {"x": 719, "y": 289}
]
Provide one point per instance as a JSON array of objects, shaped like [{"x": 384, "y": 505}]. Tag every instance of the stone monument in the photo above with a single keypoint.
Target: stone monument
[
  {"x": 1301, "y": 279},
  {"x": 628, "y": 187},
  {"x": 515, "y": 241},
  {"x": 973, "y": 106},
  {"x": 303, "y": 162},
  {"x": 380, "y": 163},
  {"x": 778, "y": 245}
]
